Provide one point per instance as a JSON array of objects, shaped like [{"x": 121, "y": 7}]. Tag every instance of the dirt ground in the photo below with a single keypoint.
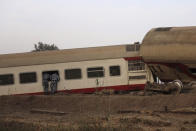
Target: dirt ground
[{"x": 98, "y": 112}]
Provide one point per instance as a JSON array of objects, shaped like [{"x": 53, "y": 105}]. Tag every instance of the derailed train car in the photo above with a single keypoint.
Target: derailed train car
[
  {"x": 84, "y": 70},
  {"x": 171, "y": 53}
]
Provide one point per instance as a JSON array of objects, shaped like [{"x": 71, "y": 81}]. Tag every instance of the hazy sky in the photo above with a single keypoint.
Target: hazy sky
[{"x": 86, "y": 23}]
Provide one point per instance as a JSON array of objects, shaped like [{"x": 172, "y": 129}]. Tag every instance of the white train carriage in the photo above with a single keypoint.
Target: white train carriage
[{"x": 84, "y": 70}]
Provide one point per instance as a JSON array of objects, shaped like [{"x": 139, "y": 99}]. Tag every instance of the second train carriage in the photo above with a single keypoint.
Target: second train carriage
[
  {"x": 170, "y": 53},
  {"x": 83, "y": 70}
]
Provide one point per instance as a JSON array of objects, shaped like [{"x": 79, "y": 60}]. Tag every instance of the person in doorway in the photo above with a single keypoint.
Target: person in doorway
[
  {"x": 54, "y": 82},
  {"x": 46, "y": 78}
]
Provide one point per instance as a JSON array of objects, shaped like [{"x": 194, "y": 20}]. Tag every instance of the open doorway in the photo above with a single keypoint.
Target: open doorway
[
  {"x": 50, "y": 73},
  {"x": 50, "y": 81}
]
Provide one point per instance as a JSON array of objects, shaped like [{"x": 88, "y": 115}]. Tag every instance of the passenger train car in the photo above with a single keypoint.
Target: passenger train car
[
  {"x": 83, "y": 70},
  {"x": 171, "y": 53}
]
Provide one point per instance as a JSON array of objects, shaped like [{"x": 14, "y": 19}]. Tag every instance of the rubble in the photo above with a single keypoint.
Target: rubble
[{"x": 175, "y": 87}]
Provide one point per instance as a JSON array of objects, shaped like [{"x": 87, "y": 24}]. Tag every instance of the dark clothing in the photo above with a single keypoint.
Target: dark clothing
[
  {"x": 45, "y": 82},
  {"x": 55, "y": 77},
  {"x": 45, "y": 85},
  {"x": 54, "y": 81},
  {"x": 53, "y": 86}
]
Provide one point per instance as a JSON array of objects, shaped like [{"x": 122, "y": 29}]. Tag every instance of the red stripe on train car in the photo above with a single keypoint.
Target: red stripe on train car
[
  {"x": 133, "y": 58},
  {"x": 116, "y": 88},
  {"x": 91, "y": 90}
]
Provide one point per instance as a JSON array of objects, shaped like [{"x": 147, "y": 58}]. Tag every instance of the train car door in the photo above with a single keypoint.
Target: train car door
[{"x": 49, "y": 73}]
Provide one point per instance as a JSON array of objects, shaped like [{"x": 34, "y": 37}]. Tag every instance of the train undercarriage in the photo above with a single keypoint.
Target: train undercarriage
[{"x": 175, "y": 87}]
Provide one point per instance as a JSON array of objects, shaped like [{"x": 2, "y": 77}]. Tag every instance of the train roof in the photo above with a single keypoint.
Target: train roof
[
  {"x": 67, "y": 55},
  {"x": 170, "y": 44},
  {"x": 171, "y": 35}
]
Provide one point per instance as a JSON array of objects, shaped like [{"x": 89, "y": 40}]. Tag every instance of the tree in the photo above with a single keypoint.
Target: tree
[{"x": 40, "y": 46}]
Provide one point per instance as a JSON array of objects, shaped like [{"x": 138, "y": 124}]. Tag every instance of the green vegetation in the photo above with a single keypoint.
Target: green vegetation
[{"x": 40, "y": 46}]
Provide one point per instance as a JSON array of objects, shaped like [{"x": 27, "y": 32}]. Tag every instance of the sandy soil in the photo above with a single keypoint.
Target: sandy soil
[{"x": 98, "y": 112}]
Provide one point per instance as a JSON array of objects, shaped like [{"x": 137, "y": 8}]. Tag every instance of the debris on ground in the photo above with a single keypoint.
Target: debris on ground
[{"x": 175, "y": 87}]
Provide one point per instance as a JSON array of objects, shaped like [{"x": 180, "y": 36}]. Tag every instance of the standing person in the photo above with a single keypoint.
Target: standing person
[
  {"x": 54, "y": 81},
  {"x": 45, "y": 83}
]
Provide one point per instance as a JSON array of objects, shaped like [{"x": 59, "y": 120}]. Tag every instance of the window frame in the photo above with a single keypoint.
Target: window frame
[
  {"x": 36, "y": 78},
  {"x": 115, "y": 75},
  {"x": 132, "y": 62},
  {"x": 97, "y": 70},
  {"x": 138, "y": 77},
  {"x": 12, "y": 79},
  {"x": 74, "y": 78},
  {"x": 133, "y": 47}
]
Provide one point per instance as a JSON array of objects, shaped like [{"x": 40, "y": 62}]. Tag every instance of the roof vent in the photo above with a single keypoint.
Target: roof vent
[{"x": 163, "y": 29}]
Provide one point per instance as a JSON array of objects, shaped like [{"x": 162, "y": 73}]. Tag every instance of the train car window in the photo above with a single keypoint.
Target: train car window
[
  {"x": 135, "y": 65},
  {"x": 137, "y": 77},
  {"x": 29, "y": 77},
  {"x": 6, "y": 79},
  {"x": 95, "y": 72},
  {"x": 114, "y": 70},
  {"x": 73, "y": 74}
]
